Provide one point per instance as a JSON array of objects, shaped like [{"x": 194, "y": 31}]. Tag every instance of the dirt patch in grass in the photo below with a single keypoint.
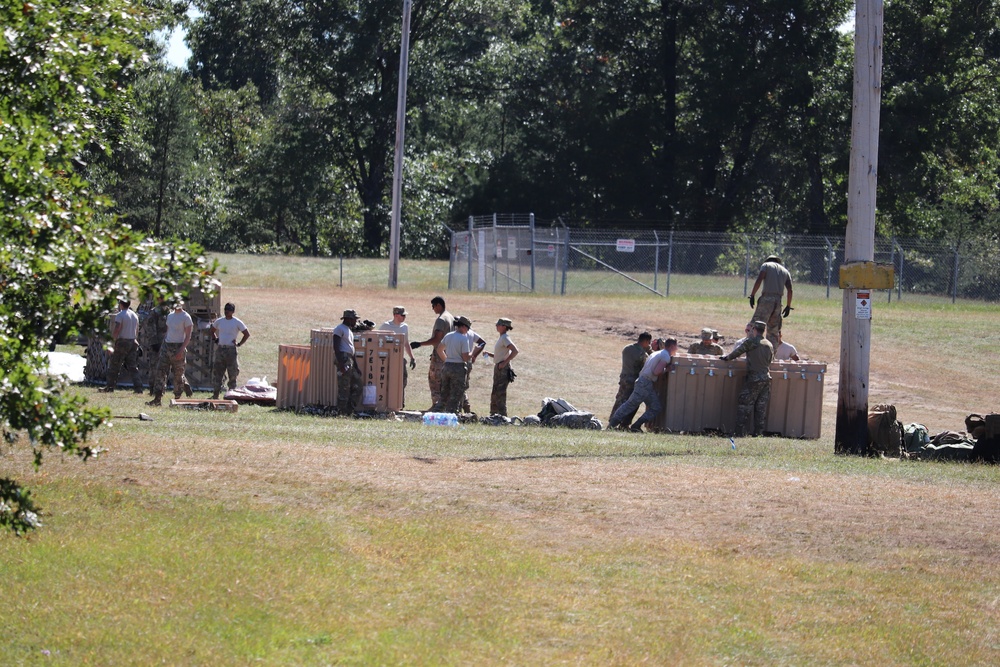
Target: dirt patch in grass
[{"x": 566, "y": 502}]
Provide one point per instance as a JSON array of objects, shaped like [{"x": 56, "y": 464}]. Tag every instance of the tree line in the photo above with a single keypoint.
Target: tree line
[{"x": 688, "y": 114}]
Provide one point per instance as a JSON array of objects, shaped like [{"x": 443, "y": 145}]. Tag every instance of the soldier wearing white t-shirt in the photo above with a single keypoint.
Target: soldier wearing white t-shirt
[
  {"x": 504, "y": 352},
  {"x": 455, "y": 351},
  {"x": 224, "y": 331},
  {"x": 398, "y": 325},
  {"x": 785, "y": 351},
  {"x": 173, "y": 354}
]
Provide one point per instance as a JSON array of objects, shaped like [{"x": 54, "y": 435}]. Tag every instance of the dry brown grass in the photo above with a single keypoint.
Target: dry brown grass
[
  {"x": 570, "y": 348},
  {"x": 878, "y": 533}
]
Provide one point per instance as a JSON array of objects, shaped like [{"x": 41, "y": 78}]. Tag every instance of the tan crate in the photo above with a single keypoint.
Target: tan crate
[
  {"x": 702, "y": 393},
  {"x": 380, "y": 356},
  {"x": 293, "y": 375},
  {"x": 323, "y": 374}
]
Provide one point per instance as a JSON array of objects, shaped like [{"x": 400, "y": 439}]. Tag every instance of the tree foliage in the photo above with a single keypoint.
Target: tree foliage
[
  {"x": 727, "y": 116},
  {"x": 939, "y": 152},
  {"x": 63, "y": 259}
]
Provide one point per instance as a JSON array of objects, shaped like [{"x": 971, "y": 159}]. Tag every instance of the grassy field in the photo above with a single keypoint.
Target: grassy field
[{"x": 271, "y": 538}]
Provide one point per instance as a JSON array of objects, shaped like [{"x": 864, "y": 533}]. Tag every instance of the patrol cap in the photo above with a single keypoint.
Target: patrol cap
[
  {"x": 505, "y": 321},
  {"x": 462, "y": 321},
  {"x": 350, "y": 315},
  {"x": 760, "y": 325},
  {"x": 706, "y": 334},
  {"x": 398, "y": 310}
]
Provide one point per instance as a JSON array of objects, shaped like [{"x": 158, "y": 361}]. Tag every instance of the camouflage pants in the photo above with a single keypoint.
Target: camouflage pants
[
  {"x": 126, "y": 355},
  {"x": 434, "y": 378},
  {"x": 466, "y": 406},
  {"x": 644, "y": 392},
  {"x": 769, "y": 311},
  {"x": 348, "y": 384},
  {"x": 226, "y": 361},
  {"x": 453, "y": 378},
  {"x": 753, "y": 406},
  {"x": 406, "y": 378},
  {"x": 168, "y": 360},
  {"x": 625, "y": 387},
  {"x": 498, "y": 398}
]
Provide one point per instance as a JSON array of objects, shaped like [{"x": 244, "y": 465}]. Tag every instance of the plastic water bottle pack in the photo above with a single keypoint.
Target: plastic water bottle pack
[{"x": 440, "y": 419}]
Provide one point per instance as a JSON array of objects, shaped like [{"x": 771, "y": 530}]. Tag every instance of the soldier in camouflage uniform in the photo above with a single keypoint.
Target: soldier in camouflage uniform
[
  {"x": 706, "y": 345},
  {"x": 503, "y": 352},
  {"x": 349, "y": 379},
  {"x": 454, "y": 351},
  {"x": 443, "y": 325},
  {"x": 126, "y": 353},
  {"x": 633, "y": 358},
  {"x": 775, "y": 279},
  {"x": 756, "y": 391}
]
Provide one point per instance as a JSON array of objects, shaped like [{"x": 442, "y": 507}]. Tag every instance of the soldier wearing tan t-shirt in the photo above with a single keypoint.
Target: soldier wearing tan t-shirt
[{"x": 775, "y": 279}]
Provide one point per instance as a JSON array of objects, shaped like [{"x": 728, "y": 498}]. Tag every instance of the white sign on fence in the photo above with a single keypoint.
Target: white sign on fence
[
  {"x": 512, "y": 247},
  {"x": 625, "y": 245}
]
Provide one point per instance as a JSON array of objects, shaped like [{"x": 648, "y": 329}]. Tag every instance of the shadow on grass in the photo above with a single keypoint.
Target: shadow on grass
[{"x": 615, "y": 455}]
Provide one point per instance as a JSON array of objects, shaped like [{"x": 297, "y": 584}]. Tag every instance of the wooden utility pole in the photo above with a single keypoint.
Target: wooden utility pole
[
  {"x": 859, "y": 247},
  {"x": 397, "y": 174}
]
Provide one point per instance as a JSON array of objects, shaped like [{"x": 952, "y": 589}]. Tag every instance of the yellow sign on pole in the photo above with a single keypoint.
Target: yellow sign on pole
[{"x": 867, "y": 275}]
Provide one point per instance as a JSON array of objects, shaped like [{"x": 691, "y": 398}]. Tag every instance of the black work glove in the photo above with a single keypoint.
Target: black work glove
[
  {"x": 753, "y": 303},
  {"x": 787, "y": 310},
  {"x": 723, "y": 358},
  {"x": 413, "y": 364},
  {"x": 414, "y": 345}
]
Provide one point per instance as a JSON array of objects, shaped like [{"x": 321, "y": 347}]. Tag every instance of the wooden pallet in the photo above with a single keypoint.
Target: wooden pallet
[{"x": 218, "y": 405}]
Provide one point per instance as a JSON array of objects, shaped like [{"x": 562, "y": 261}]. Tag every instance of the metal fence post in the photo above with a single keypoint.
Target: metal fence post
[
  {"x": 451, "y": 256},
  {"x": 829, "y": 265},
  {"x": 555, "y": 261},
  {"x": 670, "y": 262},
  {"x": 899, "y": 280},
  {"x": 531, "y": 248},
  {"x": 954, "y": 284},
  {"x": 746, "y": 266},
  {"x": 341, "y": 270},
  {"x": 892, "y": 261},
  {"x": 656, "y": 259},
  {"x": 472, "y": 225},
  {"x": 491, "y": 256},
  {"x": 565, "y": 263}
]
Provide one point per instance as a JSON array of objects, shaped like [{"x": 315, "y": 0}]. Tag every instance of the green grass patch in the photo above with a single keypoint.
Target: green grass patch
[{"x": 126, "y": 577}]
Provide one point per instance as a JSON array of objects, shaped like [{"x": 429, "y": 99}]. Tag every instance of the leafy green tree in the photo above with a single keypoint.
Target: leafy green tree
[
  {"x": 238, "y": 42},
  {"x": 63, "y": 259},
  {"x": 939, "y": 149}
]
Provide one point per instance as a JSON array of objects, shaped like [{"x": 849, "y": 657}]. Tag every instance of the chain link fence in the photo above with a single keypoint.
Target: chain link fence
[{"x": 517, "y": 253}]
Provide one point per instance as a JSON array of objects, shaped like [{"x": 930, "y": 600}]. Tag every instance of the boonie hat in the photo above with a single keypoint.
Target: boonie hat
[
  {"x": 398, "y": 310},
  {"x": 350, "y": 315},
  {"x": 773, "y": 258},
  {"x": 462, "y": 320},
  {"x": 706, "y": 334},
  {"x": 505, "y": 321}
]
